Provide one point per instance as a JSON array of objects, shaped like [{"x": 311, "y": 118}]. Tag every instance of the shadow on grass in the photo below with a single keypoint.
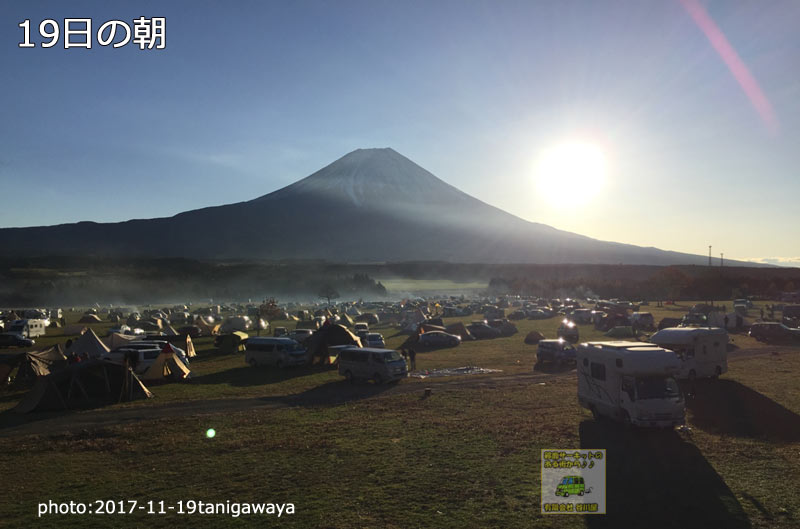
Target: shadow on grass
[
  {"x": 257, "y": 376},
  {"x": 551, "y": 368},
  {"x": 332, "y": 394},
  {"x": 729, "y": 408},
  {"x": 10, "y": 418},
  {"x": 657, "y": 480}
]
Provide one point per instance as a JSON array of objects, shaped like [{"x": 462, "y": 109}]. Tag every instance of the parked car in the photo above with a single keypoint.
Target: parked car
[
  {"x": 374, "y": 339},
  {"x": 582, "y": 315},
  {"x": 140, "y": 358},
  {"x": 10, "y": 339},
  {"x": 539, "y": 314},
  {"x": 643, "y": 320},
  {"x": 773, "y": 332},
  {"x": 300, "y": 335},
  {"x": 280, "y": 331},
  {"x": 556, "y": 352},
  {"x": 378, "y": 365},
  {"x": 439, "y": 339},
  {"x": 483, "y": 331},
  {"x": 569, "y": 331},
  {"x": 361, "y": 326},
  {"x": 517, "y": 315},
  {"x": 278, "y": 352}
]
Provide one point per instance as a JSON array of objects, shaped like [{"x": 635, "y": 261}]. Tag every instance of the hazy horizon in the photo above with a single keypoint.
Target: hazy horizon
[{"x": 694, "y": 107}]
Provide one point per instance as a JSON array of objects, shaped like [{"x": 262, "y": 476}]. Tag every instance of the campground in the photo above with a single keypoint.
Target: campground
[{"x": 388, "y": 456}]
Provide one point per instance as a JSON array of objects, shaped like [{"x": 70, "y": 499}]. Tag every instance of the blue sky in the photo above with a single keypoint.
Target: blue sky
[{"x": 250, "y": 96}]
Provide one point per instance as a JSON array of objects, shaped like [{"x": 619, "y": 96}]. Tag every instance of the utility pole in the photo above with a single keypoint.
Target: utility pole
[
  {"x": 709, "y": 255},
  {"x": 721, "y": 260}
]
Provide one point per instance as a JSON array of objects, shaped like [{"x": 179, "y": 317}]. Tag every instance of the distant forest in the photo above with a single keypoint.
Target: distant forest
[{"x": 82, "y": 281}]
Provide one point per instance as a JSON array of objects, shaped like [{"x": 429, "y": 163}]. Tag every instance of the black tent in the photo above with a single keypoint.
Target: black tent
[
  {"x": 87, "y": 384},
  {"x": 32, "y": 364},
  {"x": 327, "y": 335}
]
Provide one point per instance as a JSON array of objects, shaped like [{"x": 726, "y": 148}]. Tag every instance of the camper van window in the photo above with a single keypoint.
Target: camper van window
[
  {"x": 598, "y": 371},
  {"x": 656, "y": 388},
  {"x": 378, "y": 358}
]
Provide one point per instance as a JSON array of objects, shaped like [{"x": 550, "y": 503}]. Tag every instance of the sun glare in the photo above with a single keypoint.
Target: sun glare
[{"x": 572, "y": 171}]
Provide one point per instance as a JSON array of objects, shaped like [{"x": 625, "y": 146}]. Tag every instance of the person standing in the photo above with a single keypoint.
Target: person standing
[{"x": 413, "y": 356}]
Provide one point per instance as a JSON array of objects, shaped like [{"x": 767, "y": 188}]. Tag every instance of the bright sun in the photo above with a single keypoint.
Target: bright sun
[{"x": 573, "y": 171}]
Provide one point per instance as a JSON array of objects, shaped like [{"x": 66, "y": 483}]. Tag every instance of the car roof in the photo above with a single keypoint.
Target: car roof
[{"x": 370, "y": 349}]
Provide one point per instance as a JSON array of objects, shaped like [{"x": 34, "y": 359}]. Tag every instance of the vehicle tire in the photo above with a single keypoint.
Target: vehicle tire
[
  {"x": 580, "y": 493},
  {"x": 566, "y": 494},
  {"x": 253, "y": 362},
  {"x": 348, "y": 376},
  {"x": 378, "y": 379},
  {"x": 626, "y": 419},
  {"x": 595, "y": 413}
]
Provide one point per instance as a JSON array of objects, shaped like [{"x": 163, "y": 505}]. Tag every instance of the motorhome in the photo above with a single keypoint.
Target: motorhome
[
  {"x": 28, "y": 328},
  {"x": 703, "y": 351},
  {"x": 630, "y": 382}
]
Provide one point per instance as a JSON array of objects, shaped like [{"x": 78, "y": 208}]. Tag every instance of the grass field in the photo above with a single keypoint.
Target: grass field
[{"x": 467, "y": 456}]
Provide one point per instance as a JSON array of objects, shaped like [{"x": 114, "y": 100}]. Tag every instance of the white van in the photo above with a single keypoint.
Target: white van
[
  {"x": 703, "y": 351},
  {"x": 630, "y": 382},
  {"x": 278, "y": 352},
  {"x": 367, "y": 363},
  {"x": 28, "y": 328}
]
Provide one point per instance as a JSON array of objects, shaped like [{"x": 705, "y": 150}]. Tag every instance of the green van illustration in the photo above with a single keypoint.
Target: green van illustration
[{"x": 571, "y": 485}]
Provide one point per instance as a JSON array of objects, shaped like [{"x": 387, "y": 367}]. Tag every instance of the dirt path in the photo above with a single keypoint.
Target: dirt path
[{"x": 330, "y": 394}]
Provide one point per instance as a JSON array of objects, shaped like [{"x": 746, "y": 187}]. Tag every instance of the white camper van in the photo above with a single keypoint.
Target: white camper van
[
  {"x": 630, "y": 382},
  {"x": 703, "y": 351},
  {"x": 28, "y": 328}
]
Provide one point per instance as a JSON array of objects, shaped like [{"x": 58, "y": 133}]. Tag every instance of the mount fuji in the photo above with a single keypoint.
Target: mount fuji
[{"x": 371, "y": 205}]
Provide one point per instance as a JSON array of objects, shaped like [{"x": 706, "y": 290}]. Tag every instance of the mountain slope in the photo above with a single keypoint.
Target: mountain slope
[{"x": 370, "y": 205}]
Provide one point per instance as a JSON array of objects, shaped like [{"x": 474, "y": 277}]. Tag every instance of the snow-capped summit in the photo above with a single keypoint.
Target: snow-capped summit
[{"x": 370, "y": 205}]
